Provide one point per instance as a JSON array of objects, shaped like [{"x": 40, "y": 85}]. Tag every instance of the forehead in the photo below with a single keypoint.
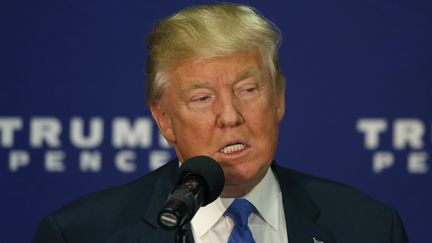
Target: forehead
[{"x": 197, "y": 72}]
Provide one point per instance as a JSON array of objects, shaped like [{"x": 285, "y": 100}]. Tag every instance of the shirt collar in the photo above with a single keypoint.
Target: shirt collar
[
  {"x": 266, "y": 191},
  {"x": 206, "y": 217},
  {"x": 265, "y": 199}
]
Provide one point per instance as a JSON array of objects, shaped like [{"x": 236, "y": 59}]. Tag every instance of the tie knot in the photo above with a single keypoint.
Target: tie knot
[{"x": 239, "y": 211}]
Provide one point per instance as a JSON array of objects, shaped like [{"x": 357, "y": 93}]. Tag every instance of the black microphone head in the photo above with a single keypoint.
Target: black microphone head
[{"x": 209, "y": 170}]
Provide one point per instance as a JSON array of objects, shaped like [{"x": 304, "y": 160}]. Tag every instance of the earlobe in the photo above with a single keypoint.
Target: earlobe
[{"x": 163, "y": 121}]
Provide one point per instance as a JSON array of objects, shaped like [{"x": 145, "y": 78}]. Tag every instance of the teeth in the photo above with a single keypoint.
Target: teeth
[{"x": 233, "y": 148}]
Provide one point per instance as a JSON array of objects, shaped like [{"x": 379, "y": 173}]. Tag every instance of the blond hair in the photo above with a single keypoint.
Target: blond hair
[{"x": 206, "y": 32}]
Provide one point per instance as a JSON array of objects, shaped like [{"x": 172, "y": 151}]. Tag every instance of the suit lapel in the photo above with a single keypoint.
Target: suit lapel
[
  {"x": 164, "y": 183},
  {"x": 301, "y": 213},
  {"x": 162, "y": 188},
  {"x": 157, "y": 189}
]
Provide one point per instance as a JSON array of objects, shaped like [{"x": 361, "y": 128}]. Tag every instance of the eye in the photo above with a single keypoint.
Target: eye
[
  {"x": 201, "y": 98},
  {"x": 248, "y": 90},
  {"x": 251, "y": 89},
  {"x": 200, "y": 102}
]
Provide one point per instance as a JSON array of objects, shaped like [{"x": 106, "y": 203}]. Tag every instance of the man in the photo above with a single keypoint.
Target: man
[{"x": 215, "y": 89}]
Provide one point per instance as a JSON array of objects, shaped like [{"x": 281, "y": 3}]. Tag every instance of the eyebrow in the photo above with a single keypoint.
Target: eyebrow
[
  {"x": 247, "y": 73},
  {"x": 194, "y": 85}
]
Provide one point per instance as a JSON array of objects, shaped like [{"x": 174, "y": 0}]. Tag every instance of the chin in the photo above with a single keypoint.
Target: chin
[{"x": 240, "y": 177}]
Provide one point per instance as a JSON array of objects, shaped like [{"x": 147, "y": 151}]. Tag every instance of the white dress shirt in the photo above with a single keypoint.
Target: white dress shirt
[{"x": 209, "y": 225}]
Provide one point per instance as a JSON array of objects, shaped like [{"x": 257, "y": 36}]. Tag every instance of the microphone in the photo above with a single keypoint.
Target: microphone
[{"x": 199, "y": 181}]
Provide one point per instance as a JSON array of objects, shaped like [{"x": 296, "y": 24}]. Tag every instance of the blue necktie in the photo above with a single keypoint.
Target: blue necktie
[{"x": 239, "y": 212}]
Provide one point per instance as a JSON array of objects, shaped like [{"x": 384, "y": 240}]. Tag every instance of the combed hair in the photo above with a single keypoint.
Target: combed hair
[{"x": 206, "y": 32}]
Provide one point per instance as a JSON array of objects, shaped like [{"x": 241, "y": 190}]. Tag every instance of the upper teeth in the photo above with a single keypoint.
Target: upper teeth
[{"x": 233, "y": 148}]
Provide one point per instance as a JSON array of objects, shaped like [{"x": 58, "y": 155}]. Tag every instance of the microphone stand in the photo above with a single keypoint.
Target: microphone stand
[{"x": 182, "y": 235}]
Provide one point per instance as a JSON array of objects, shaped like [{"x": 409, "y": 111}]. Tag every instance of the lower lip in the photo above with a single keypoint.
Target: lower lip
[{"x": 235, "y": 154}]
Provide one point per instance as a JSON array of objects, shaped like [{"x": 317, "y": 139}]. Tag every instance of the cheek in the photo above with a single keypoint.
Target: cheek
[
  {"x": 192, "y": 131},
  {"x": 263, "y": 118}
]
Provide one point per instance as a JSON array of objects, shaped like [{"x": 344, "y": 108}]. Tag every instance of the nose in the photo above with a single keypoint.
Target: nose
[{"x": 229, "y": 113}]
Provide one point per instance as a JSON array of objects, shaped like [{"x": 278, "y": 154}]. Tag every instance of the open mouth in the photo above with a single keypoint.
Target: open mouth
[{"x": 232, "y": 148}]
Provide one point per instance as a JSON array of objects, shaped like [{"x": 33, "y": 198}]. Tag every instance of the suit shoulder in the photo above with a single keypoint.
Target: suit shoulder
[
  {"x": 95, "y": 217},
  {"x": 329, "y": 193},
  {"x": 345, "y": 210},
  {"x": 121, "y": 203}
]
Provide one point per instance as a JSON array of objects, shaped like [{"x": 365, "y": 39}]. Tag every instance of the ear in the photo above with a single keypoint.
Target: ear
[
  {"x": 160, "y": 115},
  {"x": 280, "y": 103}
]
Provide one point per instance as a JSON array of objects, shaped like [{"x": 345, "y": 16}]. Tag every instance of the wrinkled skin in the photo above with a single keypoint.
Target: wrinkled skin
[{"x": 211, "y": 104}]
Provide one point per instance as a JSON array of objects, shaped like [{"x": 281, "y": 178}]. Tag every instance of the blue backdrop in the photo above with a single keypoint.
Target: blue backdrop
[{"x": 73, "y": 118}]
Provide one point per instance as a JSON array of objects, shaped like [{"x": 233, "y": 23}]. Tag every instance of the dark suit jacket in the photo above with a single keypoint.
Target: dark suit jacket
[{"x": 314, "y": 208}]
